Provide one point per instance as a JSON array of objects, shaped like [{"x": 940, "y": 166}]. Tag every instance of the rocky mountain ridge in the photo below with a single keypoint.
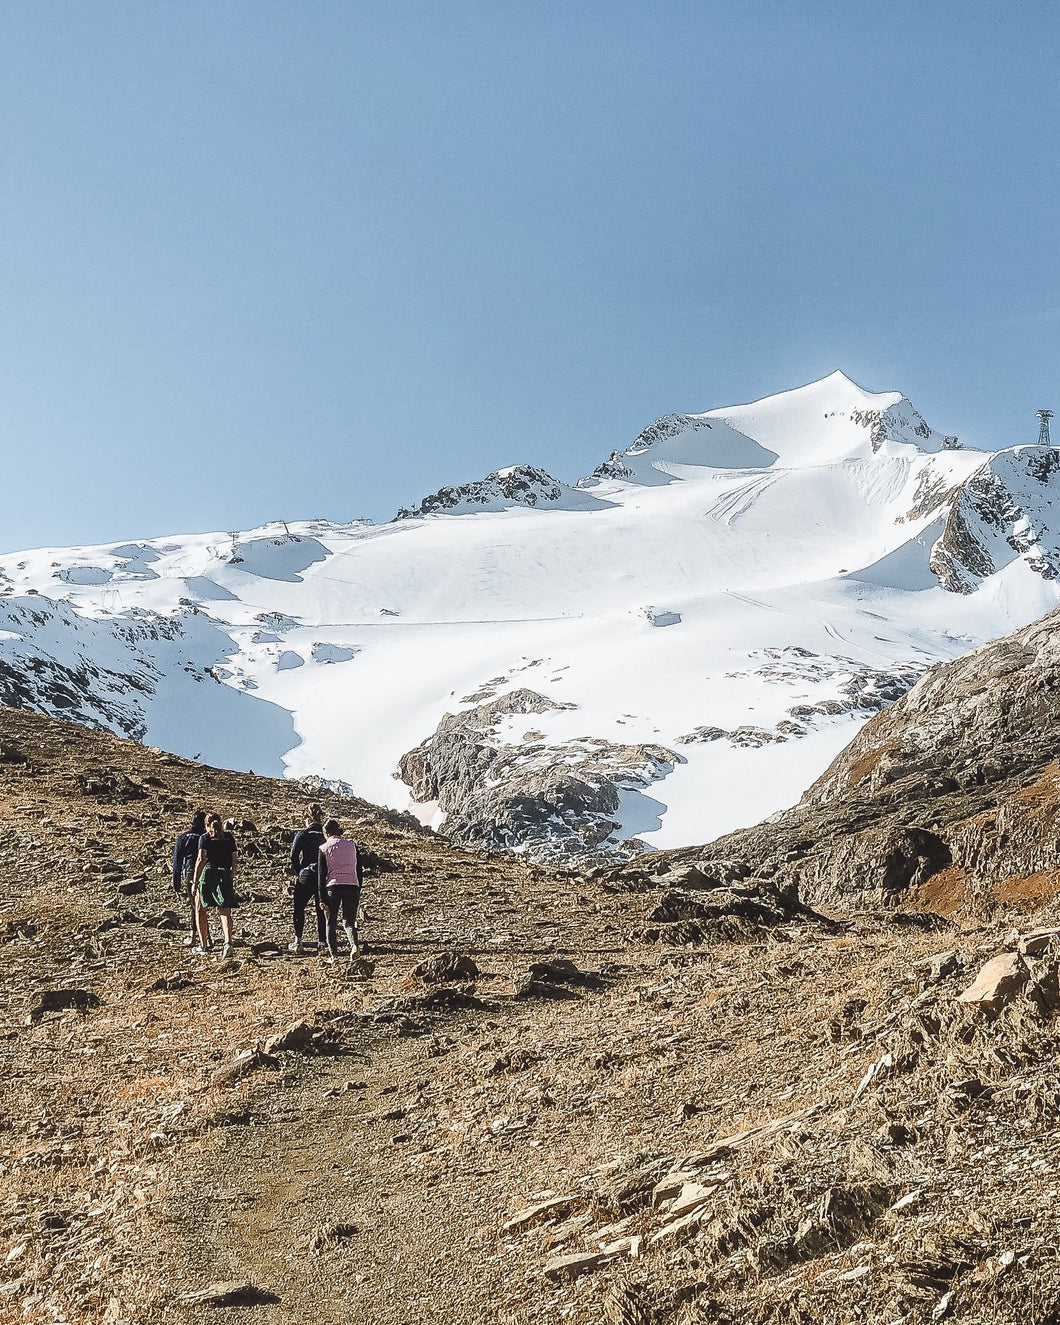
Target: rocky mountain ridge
[
  {"x": 1000, "y": 513},
  {"x": 517, "y": 485},
  {"x": 949, "y": 797}
]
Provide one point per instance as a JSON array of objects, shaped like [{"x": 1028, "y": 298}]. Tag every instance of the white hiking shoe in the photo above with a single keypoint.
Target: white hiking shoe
[{"x": 295, "y": 946}]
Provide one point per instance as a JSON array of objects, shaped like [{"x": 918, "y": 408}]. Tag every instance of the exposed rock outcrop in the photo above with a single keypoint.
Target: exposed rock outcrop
[
  {"x": 553, "y": 802},
  {"x": 670, "y": 425},
  {"x": 518, "y": 485},
  {"x": 858, "y": 689},
  {"x": 1002, "y": 512},
  {"x": 120, "y": 672},
  {"x": 898, "y": 423}
]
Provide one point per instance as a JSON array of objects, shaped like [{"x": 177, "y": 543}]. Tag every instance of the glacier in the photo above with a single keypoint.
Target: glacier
[{"x": 808, "y": 555}]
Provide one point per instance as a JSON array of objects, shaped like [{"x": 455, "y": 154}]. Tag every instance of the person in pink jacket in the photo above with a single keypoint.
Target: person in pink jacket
[{"x": 339, "y": 886}]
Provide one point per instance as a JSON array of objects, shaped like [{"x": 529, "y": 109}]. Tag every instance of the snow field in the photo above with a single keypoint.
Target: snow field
[{"x": 803, "y": 522}]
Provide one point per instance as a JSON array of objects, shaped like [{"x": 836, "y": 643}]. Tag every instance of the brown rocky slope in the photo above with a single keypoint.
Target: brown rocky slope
[
  {"x": 542, "y": 1097},
  {"x": 949, "y": 796}
]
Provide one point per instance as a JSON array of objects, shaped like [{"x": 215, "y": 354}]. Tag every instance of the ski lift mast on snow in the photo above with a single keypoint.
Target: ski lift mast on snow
[{"x": 1043, "y": 416}]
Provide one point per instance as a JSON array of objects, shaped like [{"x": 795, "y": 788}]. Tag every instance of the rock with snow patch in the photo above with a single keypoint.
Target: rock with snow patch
[
  {"x": 551, "y": 802},
  {"x": 518, "y": 485}
]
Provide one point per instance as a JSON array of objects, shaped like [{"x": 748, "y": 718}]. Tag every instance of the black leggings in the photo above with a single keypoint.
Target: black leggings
[
  {"x": 187, "y": 892},
  {"x": 345, "y": 899},
  {"x": 305, "y": 894}
]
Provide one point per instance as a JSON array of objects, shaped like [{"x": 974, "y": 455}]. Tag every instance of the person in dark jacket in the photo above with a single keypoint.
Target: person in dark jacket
[
  {"x": 215, "y": 871},
  {"x": 339, "y": 886},
  {"x": 304, "y": 851},
  {"x": 185, "y": 854}
]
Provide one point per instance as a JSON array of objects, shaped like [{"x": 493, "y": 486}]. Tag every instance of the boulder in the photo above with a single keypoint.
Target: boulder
[
  {"x": 298, "y": 1038},
  {"x": 230, "y": 1293},
  {"x": 328, "y": 1235},
  {"x": 938, "y": 966},
  {"x": 167, "y": 919},
  {"x": 551, "y": 1208},
  {"x": 1038, "y": 941},
  {"x": 562, "y": 971},
  {"x": 250, "y": 1060},
  {"x": 627, "y": 1246},
  {"x": 734, "y": 913},
  {"x": 527, "y": 987},
  {"x": 997, "y": 983},
  {"x": 170, "y": 984},
  {"x": 58, "y": 1000},
  {"x": 571, "y": 1266},
  {"x": 443, "y": 998},
  {"x": 445, "y": 967}
]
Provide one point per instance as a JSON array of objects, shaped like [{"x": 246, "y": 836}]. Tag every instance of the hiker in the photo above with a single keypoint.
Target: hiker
[
  {"x": 214, "y": 874},
  {"x": 185, "y": 854},
  {"x": 339, "y": 886},
  {"x": 304, "y": 849}
]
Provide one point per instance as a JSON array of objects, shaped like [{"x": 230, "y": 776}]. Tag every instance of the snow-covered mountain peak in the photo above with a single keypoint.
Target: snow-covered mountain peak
[
  {"x": 832, "y": 420},
  {"x": 703, "y": 622},
  {"x": 825, "y": 422}
]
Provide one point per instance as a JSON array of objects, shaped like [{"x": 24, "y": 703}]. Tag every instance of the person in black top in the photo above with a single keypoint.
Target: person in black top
[
  {"x": 214, "y": 881},
  {"x": 304, "y": 849},
  {"x": 185, "y": 853}
]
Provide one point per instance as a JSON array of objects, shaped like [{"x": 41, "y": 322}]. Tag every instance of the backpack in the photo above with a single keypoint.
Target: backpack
[{"x": 187, "y": 854}]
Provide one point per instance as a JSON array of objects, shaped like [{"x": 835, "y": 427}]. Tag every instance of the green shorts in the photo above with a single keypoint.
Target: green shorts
[{"x": 216, "y": 888}]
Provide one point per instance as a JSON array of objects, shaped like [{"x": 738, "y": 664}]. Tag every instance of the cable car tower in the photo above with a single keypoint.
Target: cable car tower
[{"x": 1043, "y": 416}]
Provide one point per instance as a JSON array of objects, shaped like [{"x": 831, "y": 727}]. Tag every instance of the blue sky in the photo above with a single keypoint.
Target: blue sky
[{"x": 271, "y": 260}]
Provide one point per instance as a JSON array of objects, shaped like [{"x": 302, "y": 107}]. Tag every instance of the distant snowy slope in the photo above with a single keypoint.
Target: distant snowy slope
[
  {"x": 673, "y": 647},
  {"x": 155, "y": 677}
]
